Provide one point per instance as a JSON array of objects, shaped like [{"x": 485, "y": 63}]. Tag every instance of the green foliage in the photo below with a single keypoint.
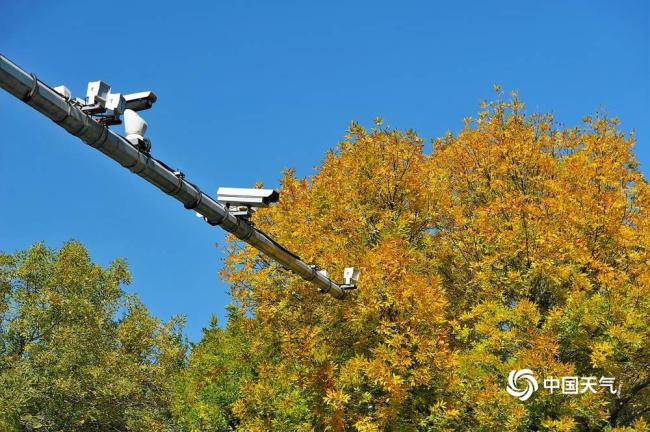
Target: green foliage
[
  {"x": 208, "y": 388},
  {"x": 67, "y": 362}
]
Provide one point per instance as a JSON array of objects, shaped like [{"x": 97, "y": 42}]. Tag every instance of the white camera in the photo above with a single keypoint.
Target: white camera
[
  {"x": 135, "y": 128},
  {"x": 140, "y": 101},
  {"x": 99, "y": 99},
  {"x": 96, "y": 97},
  {"x": 350, "y": 276},
  {"x": 63, "y": 91},
  {"x": 97, "y": 93},
  {"x": 115, "y": 103},
  {"x": 247, "y": 197}
]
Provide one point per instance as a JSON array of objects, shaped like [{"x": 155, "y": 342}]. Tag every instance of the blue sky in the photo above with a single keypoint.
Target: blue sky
[{"x": 247, "y": 89}]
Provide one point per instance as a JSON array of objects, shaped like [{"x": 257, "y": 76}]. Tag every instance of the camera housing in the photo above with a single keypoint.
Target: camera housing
[
  {"x": 96, "y": 97},
  {"x": 135, "y": 128},
  {"x": 99, "y": 98},
  {"x": 63, "y": 91},
  {"x": 115, "y": 103},
  {"x": 350, "y": 276},
  {"x": 231, "y": 197},
  {"x": 140, "y": 101}
]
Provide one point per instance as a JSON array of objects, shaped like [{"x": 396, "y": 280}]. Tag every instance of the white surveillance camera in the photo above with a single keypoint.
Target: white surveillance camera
[
  {"x": 134, "y": 124},
  {"x": 247, "y": 197},
  {"x": 97, "y": 92},
  {"x": 63, "y": 91},
  {"x": 350, "y": 275},
  {"x": 96, "y": 96},
  {"x": 135, "y": 128},
  {"x": 115, "y": 103},
  {"x": 140, "y": 101}
]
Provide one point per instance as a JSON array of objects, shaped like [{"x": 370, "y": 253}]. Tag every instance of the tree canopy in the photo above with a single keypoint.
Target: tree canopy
[
  {"x": 515, "y": 243},
  {"x": 76, "y": 352}
]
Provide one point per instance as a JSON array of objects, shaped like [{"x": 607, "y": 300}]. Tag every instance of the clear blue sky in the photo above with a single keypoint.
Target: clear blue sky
[{"x": 247, "y": 89}]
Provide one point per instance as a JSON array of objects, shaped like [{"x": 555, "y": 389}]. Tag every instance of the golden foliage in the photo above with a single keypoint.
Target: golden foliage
[{"x": 513, "y": 244}]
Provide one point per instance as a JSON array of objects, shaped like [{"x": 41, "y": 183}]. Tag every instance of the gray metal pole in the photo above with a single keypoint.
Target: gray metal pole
[{"x": 43, "y": 99}]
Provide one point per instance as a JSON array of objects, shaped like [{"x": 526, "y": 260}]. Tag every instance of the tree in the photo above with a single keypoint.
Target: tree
[
  {"x": 76, "y": 352},
  {"x": 543, "y": 241},
  {"x": 208, "y": 388},
  {"x": 513, "y": 244}
]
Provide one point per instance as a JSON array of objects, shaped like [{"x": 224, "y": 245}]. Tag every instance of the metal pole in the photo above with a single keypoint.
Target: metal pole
[{"x": 43, "y": 99}]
